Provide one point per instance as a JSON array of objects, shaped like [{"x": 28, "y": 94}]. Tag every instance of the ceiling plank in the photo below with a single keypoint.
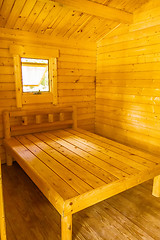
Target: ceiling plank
[
  {"x": 98, "y": 10},
  {"x": 16, "y": 10}
]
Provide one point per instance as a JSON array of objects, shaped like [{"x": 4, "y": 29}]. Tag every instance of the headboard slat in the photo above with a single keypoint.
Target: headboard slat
[
  {"x": 43, "y": 111},
  {"x": 22, "y": 121},
  {"x": 42, "y": 126}
]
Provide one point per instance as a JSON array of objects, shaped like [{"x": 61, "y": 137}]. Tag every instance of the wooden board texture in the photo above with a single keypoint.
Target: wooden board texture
[
  {"x": 113, "y": 218},
  {"x": 55, "y": 18},
  {"x": 76, "y": 169},
  {"x": 76, "y": 79},
  {"x": 128, "y": 81}
]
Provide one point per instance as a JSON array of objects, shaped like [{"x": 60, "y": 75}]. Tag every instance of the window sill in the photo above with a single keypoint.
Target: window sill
[{"x": 30, "y": 98}]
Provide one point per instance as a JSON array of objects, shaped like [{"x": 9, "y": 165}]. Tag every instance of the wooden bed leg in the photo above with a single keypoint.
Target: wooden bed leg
[
  {"x": 9, "y": 159},
  {"x": 66, "y": 227},
  {"x": 156, "y": 187}
]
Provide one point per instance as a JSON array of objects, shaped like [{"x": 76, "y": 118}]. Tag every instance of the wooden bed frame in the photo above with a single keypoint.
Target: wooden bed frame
[{"x": 72, "y": 167}]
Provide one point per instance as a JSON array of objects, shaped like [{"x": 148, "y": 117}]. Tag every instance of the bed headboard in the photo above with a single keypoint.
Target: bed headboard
[{"x": 30, "y": 121}]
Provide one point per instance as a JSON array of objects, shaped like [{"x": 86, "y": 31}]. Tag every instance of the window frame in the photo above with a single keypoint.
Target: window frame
[{"x": 51, "y": 54}]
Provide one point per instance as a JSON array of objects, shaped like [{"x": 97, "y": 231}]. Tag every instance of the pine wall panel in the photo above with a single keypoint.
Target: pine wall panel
[
  {"x": 76, "y": 81},
  {"x": 128, "y": 81}
]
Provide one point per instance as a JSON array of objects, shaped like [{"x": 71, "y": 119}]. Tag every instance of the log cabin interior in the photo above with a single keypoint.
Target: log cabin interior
[{"x": 80, "y": 117}]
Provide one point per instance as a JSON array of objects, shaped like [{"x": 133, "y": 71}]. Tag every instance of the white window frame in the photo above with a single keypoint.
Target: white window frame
[{"x": 51, "y": 54}]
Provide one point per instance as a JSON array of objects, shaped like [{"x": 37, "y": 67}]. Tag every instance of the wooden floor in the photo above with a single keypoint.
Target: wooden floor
[{"x": 133, "y": 214}]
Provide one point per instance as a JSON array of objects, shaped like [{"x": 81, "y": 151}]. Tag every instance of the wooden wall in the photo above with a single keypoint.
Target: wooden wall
[
  {"x": 128, "y": 81},
  {"x": 76, "y": 76}
]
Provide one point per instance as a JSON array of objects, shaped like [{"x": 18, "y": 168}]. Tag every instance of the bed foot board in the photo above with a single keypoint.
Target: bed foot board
[
  {"x": 156, "y": 187},
  {"x": 66, "y": 227},
  {"x": 9, "y": 159}
]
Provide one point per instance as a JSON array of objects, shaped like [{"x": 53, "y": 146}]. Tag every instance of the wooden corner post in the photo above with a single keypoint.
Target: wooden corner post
[
  {"x": 156, "y": 186},
  {"x": 7, "y": 134},
  {"x": 66, "y": 227}
]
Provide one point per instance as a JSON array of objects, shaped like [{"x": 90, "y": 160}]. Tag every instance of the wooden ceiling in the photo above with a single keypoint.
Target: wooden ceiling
[{"x": 68, "y": 19}]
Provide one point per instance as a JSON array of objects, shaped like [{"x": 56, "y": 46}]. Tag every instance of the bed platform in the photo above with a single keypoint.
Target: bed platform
[{"x": 72, "y": 167}]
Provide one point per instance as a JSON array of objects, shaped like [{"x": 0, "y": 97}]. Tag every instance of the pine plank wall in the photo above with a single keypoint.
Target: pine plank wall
[
  {"x": 123, "y": 89},
  {"x": 76, "y": 77},
  {"x": 128, "y": 81}
]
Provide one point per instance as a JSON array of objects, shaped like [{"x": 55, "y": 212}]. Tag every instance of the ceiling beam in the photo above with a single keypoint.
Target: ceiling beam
[
  {"x": 98, "y": 10},
  {"x": 30, "y": 38}
]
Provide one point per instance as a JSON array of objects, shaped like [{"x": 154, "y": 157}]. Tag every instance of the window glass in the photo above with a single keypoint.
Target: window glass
[{"x": 35, "y": 75}]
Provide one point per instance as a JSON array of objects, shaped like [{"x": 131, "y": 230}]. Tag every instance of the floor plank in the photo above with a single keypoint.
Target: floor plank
[{"x": 133, "y": 214}]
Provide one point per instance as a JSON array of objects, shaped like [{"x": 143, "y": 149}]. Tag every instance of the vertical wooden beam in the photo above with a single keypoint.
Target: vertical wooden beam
[
  {"x": 7, "y": 134},
  {"x": 156, "y": 186},
  {"x": 61, "y": 116},
  {"x": 53, "y": 78},
  {"x": 18, "y": 79},
  {"x": 24, "y": 121},
  {"x": 38, "y": 119},
  {"x": 9, "y": 159},
  {"x": 66, "y": 227},
  {"x": 50, "y": 117},
  {"x": 55, "y": 67}
]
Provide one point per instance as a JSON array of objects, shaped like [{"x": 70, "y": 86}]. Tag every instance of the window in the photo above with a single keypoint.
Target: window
[
  {"x": 35, "y": 75},
  {"x": 35, "y": 70}
]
